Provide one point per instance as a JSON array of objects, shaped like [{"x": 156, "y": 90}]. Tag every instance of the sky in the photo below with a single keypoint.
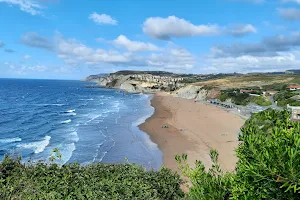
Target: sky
[{"x": 68, "y": 39}]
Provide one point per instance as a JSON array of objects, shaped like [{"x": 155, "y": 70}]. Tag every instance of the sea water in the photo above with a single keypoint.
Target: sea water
[{"x": 86, "y": 124}]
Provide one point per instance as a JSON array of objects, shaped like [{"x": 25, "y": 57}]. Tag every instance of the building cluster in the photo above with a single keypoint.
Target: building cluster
[{"x": 157, "y": 79}]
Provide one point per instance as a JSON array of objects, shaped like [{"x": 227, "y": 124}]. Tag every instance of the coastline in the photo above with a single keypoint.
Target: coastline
[{"x": 193, "y": 129}]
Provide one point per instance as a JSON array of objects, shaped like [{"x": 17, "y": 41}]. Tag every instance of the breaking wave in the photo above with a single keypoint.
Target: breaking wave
[{"x": 37, "y": 147}]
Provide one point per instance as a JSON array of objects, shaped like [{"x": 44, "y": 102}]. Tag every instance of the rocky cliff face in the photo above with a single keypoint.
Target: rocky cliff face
[
  {"x": 198, "y": 93},
  {"x": 139, "y": 83}
]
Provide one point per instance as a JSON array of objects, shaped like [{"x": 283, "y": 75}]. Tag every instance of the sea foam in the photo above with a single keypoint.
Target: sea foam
[
  {"x": 66, "y": 152},
  {"x": 38, "y": 147},
  {"x": 74, "y": 136},
  {"x": 10, "y": 140},
  {"x": 69, "y": 111},
  {"x": 66, "y": 121}
]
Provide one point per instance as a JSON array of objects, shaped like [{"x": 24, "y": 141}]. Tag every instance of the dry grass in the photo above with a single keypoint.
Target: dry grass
[{"x": 250, "y": 81}]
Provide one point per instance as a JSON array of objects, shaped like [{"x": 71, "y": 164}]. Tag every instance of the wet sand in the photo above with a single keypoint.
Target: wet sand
[{"x": 193, "y": 129}]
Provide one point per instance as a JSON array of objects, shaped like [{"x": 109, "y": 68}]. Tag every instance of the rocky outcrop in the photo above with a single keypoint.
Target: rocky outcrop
[
  {"x": 132, "y": 88},
  {"x": 198, "y": 93},
  {"x": 188, "y": 92},
  {"x": 139, "y": 83},
  {"x": 94, "y": 78}
]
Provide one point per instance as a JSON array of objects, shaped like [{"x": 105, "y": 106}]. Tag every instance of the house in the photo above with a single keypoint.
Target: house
[
  {"x": 293, "y": 87},
  {"x": 246, "y": 91},
  {"x": 250, "y": 92},
  {"x": 295, "y": 112}
]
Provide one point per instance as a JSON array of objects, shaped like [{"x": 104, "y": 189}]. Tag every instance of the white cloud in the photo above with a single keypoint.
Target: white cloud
[
  {"x": 241, "y": 30},
  {"x": 35, "y": 40},
  {"x": 123, "y": 41},
  {"x": 26, "y": 56},
  {"x": 268, "y": 46},
  {"x": 38, "y": 68},
  {"x": 75, "y": 53},
  {"x": 178, "y": 59},
  {"x": 275, "y": 53},
  {"x": 65, "y": 69},
  {"x": 245, "y": 64},
  {"x": 30, "y": 6},
  {"x": 102, "y": 19},
  {"x": 175, "y": 58},
  {"x": 172, "y": 26},
  {"x": 292, "y": 14},
  {"x": 24, "y": 69}
]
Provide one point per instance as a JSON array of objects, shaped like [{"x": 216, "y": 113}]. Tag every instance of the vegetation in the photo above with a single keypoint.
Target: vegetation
[
  {"x": 261, "y": 101},
  {"x": 285, "y": 97},
  {"x": 276, "y": 86},
  {"x": 211, "y": 185},
  {"x": 243, "y": 98},
  {"x": 236, "y": 97},
  {"x": 95, "y": 181},
  {"x": 268, "y": 166}
]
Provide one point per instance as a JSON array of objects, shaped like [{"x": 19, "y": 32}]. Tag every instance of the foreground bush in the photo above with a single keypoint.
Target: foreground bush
[
  {"x": 269, "y": 158},
  {"x": 268, "y": 166},
  {"x": 95, "y": 181},
  {"x": 212, "y": 184}
]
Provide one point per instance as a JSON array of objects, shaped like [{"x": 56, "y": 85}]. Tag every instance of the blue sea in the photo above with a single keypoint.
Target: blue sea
[{"x": 86, "y": 124}]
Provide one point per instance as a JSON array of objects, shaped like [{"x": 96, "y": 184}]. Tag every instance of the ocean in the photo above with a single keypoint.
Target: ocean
[{"x": 86, "y": 124}]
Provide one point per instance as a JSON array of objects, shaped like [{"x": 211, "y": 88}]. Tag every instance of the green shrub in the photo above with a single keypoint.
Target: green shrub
[
  {"x": 284, "y": 97},
  {"x": 223, "y": 96},
  {"x": 206, "y": 185},
  {"x": 268, "y": 165},
  {"x": 95, "y": 181},
  {"x": 275, "y": 86},
  {"x": 261, "y": 101},
  {"x": 269, "y": 158},
  {"x": 236, "y": 97}
]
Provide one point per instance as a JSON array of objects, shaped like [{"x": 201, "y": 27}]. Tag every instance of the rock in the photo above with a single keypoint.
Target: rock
[
  {"x": 202, "y": 95},
  {"x": 131, "y": 88},
  {"x": 137, "y": 83},
  {"x": 188, "y": 92}
]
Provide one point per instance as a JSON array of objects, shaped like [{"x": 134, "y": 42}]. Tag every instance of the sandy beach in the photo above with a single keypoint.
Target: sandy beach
[{"x": 193, "y": 129}]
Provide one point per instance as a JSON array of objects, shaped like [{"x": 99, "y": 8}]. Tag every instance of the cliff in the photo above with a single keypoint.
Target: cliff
[
  {"x": 199, "y": 93},
  {"x": 139, "y": 82},
  {"x": 156, "y": 81}
]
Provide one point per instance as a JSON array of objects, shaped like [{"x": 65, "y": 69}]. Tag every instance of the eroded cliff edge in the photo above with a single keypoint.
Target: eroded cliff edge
[{"x": 156, "y": 81}]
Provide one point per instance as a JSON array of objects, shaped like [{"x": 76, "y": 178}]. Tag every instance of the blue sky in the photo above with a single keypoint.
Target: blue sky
[{"x": 62, "y": 39}]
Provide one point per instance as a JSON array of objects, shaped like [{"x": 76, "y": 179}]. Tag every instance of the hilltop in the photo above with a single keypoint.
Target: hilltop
[
  {"x": 263, "y": 89},
  {"x": 150, "y": 81},
  {"x": 251, "y": 80}
]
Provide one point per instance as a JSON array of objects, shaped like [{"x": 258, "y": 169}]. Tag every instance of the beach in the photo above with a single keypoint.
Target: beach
[{"x": 184, "y": 126}]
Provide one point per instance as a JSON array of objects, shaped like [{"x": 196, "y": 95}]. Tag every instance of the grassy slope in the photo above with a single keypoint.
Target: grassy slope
[{"x": 251, "y": 81}]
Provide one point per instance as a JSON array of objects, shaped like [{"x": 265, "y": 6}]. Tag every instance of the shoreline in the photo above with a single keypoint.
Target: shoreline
[{"x": 193, "y": 129}]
